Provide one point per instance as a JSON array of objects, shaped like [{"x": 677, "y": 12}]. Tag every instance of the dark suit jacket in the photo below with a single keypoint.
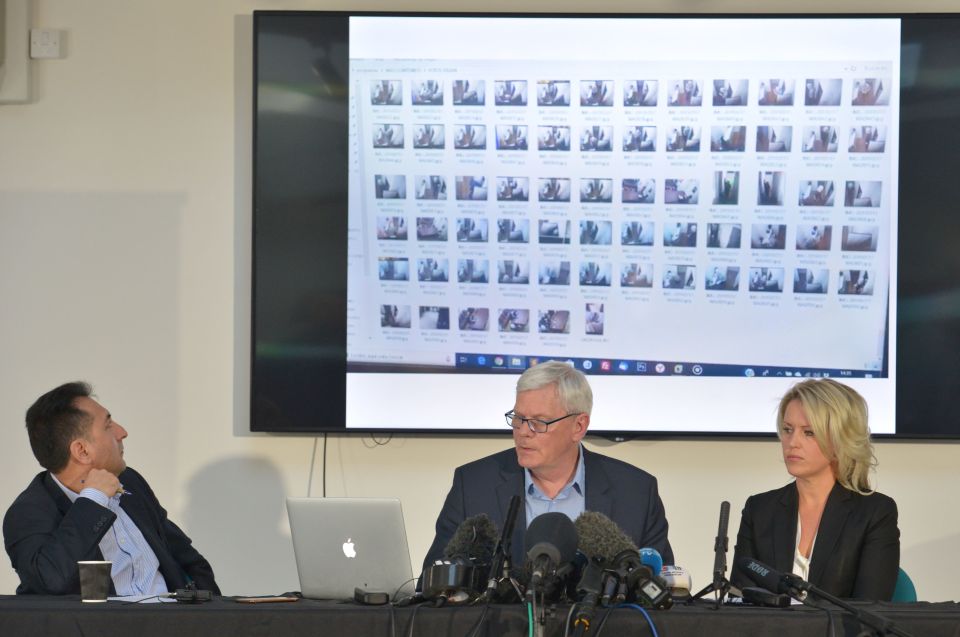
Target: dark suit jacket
[
  {"x": 857, "y": 549},
  {"x": 46, "y": 535},
  {"x": 622, "y": 492}
]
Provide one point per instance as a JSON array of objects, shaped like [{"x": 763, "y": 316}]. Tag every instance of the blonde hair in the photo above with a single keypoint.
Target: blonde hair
[{"x": 838, "y": 418}]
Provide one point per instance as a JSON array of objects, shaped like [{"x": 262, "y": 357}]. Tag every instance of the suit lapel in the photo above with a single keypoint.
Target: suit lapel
[
  {"x": 511, "y": 484},
  {"x": 785, "y": 529},
  {"x": 56, "y": 493},
  {"x": 599, "y": 496},
  {"x": 834, "y": 518}
]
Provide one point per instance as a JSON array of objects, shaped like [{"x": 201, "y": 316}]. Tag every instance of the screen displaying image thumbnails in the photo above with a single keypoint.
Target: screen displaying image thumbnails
[
  {"x": 596, "y": 93},
  {"x": 471, "y": 188},
  {"x": 776, "y": 92},
  {"x": 640, "y": 139},
  {"x": 856, "y": 282},
  {"x": 820, "y": 139},
  {"x": 730, "y": 92},
  {"x": 681, "y": 191},
  {"x": 554, "y": 231},
  {"x": 639, "y": 191},
  {"x": 640, "y": 93},
  {"x": 433, "y": 270},
  {"x": 514, "y": 320},
  {"x": 862, "y": 194},
  {"x": 723, "y": 235},
  {"x": 815, "y": 236},
  {"x": 822, "y": 92},
  {"x": 390, "y": 186},
  {"x": 771, "y": 188},
  {"x": 768, "y": 236},
  {"x": 386, "y": 93},
  {"x": 431, "y": 187},
  {"x": 553, "y": 189},
  {"x": 431, "y": 228},
  {"x": 553, "y": 321},
  {"x": 510, "y": 92},
  {"x": 867, "y": 139},
  {"x": 636, "y": 275},
  {"x": 596, "y": 274},
  {"x": 685, "y": 93},
  {"x": 766, "y": 279},
  {"x": 811, "y": 281},
  {"x": 816, "y": 193},
  {"x": 470, "y": 136},
  {"x": 683, "y": 138},
  {"x": 722, "y": 277},
  {"x": 859, "y": 238},
  {"x": 513, "y": 188},
  {"x": 472, "y": 229},
  {"x": 774, "y": 139},
  {"x": 511, "y": 137},
  {"x": 554, "y": 273},
  {"x": 429, "y": 136},
  {"x": 427, "y": 92},
  {"x": 513, "y": 271},
  {"x": 680, "y": 235},
  {"x": 473, "y": 319},
  {"x": 392, "y": 228},
  {"x": 596, "y": 233},
  {"x": 473, "y": 271},
  {"x": 726, "y": 187},
  {"x": 395, "y": 316},
  {"x": 870, "y": 91},
  {"x": 596, "y": 138},
  {"x": 637, "y": 233},
  {"x": 468, "y": 92},
  {"x": 513, "y": 230},
  {"x": 393, "y": 268},
  {"x": 728, "y": 139},
  {"x": 593, "y": 319},
  {"x": 679, "y": 277},
  {"x": 595, "y": 190},
  {"x": 553, "y": 93},
  {"x": 553, "y": 138},
  {"x": 388, "y": 136},
  {"x": 434, "y": 318}
]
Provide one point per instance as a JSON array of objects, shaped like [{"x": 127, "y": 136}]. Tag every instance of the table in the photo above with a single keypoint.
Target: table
[{"x": 25, "y": 616}]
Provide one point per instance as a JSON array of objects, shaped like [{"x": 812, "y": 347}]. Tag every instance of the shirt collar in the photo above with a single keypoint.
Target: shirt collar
[
  {"x": 69, "y": 493},
  {"x": 530, "y": 488}
]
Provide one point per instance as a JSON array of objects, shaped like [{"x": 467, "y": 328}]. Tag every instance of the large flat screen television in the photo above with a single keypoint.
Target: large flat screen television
[{"x": 694, "y": 211}]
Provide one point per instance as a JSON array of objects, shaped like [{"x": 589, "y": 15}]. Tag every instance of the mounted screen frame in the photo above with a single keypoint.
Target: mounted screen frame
[{"x": 300, "y": 374}]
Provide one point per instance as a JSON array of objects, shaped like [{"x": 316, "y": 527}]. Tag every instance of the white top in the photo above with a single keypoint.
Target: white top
[{"x": 801, "y": 564}]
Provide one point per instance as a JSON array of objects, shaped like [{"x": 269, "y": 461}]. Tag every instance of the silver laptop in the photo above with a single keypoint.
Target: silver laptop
[{"x": 343, "y": 543}]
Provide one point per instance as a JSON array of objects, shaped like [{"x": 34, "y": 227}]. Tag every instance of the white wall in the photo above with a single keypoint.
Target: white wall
[{"x": 125, "y": 258}]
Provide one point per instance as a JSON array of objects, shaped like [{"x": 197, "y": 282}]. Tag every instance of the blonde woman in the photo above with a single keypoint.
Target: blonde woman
[{"x": 827, "y": 526}]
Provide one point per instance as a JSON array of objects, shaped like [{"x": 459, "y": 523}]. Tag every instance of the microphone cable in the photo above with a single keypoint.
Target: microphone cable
[{"x": 646, "y": 615}]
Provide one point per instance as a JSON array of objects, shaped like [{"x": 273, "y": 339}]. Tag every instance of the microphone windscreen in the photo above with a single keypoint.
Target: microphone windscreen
[
  {"x": 600, "y": 537},
  {"x": 551, "y": 533},
  {"x": 475, "y": 539},
  {"x": 651, "y": 557}
]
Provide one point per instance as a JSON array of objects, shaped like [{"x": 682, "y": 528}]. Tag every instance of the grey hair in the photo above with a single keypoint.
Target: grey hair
[{"x": 573, "y": 390}]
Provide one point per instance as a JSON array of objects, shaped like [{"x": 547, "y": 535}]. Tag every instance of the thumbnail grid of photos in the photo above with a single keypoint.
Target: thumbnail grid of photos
[{"x": 741, "y": 219}]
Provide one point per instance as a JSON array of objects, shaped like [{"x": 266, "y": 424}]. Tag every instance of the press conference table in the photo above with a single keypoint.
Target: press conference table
[{"x": 51, "y": 617}]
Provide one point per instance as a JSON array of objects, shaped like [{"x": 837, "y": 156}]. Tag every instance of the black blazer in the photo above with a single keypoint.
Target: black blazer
[
  {"x": 857, "y": 549},
  {"x": 622, "y": 492},
  {"x": 46, "y": 535}
]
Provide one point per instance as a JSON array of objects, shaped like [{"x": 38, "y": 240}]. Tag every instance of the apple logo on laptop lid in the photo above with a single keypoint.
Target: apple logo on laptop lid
[{"x": 348, "y": 548}]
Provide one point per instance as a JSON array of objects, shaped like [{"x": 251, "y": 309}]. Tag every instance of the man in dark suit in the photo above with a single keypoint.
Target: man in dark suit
[
  {"x": 551, "y": 470},
  {"x": 88, "y": 505}
]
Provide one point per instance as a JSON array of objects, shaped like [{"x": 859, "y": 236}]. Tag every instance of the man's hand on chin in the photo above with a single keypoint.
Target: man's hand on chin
[{"x": 102, "y": 480}]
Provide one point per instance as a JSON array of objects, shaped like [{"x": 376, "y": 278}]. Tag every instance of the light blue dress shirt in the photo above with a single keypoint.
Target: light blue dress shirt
[
  {"x": 135, "y": 569},
  {"x": 571, "y": 500}
]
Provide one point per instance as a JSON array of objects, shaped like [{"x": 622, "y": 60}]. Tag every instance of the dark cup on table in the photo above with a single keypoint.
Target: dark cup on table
[{"x": 94, "y": 580}]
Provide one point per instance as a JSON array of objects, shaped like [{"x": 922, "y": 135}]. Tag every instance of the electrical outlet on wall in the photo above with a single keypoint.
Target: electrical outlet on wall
[{"x": 44, "y": 44}]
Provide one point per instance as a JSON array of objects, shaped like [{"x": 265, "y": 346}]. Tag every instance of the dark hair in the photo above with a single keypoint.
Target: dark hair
[{"x": 53, "y": 422}]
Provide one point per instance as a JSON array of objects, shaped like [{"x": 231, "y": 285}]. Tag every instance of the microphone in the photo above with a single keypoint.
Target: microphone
[
  {"x": 456, "y": 578},
  {"x": 720, "y": 547},
  {"x": 773, "y": 580},
  {"x": 602, "y": 540},
  {"x": 651, "y": 557},
  {"x": 500, "y": 562},
  {"x": 678, "y": 581},
  {"x": 551, "y": 540}
]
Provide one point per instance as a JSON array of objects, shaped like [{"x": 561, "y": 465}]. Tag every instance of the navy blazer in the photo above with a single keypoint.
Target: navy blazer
[
  {"x": 857, "y": 550},
  {"x": 622, "y": 492},
  {"x": 46, "y": 535}
]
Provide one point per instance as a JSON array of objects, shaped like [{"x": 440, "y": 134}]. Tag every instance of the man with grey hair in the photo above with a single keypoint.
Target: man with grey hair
[{"x": 552, "y": 471}]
